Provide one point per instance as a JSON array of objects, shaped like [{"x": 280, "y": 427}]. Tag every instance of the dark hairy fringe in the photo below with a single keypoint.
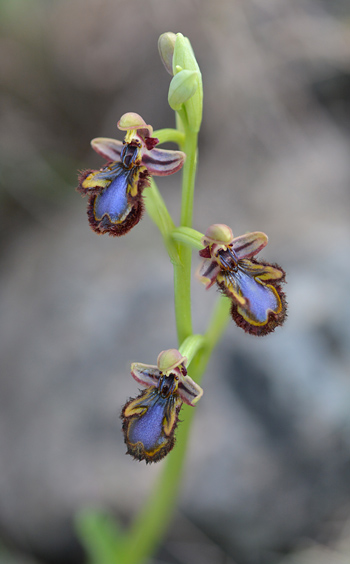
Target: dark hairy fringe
[
  {"x": 104, "y": 225},
  {"x": 83, "y": 191},
  {"x": 274, "y": 320}
]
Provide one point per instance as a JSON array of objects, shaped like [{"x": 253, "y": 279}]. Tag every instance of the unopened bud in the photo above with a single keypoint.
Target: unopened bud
[
  {"x": 184, "y": 59},
  {"x": 182, "y": 87},
  {"x": 166, "y": 46}
]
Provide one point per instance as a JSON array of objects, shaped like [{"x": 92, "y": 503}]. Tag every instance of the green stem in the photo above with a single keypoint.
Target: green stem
[
  {"x": 188, "y": 179},
  {"x": 182, "y": 271},
  {"x": 158, "y": 212},
  {"x": 153, "y": 520},
  {"x": 216, "y": 327}
]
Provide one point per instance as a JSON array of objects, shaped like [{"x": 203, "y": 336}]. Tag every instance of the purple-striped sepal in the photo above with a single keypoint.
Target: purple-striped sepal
[
  {"x": 150, "y": 420},
  {"x": 254, "y": 287}
]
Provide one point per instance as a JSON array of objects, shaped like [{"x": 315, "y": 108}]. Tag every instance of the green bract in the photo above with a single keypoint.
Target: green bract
[
  {"x": 182, "y": 88},
  {"x": 184, "y": 60}
]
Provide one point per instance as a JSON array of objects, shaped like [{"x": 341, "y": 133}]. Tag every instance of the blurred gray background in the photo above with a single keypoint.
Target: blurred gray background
[{"x": 267, "y": 478}]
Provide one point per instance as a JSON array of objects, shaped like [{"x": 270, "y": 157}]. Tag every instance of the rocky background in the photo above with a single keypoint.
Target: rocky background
[{"x": 267, "y": 479}]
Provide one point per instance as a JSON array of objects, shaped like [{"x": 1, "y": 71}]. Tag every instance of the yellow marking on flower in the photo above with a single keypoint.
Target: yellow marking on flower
[
  {"x": 134, "y": 410},
  {"x": 91, "y": 182}
]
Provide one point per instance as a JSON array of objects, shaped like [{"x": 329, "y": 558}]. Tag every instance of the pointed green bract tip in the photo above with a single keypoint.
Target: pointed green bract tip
[
  {"x": 170, "y": 359},
  {"x": 183, "y": 54},
  {"x": 182, "y": 88},
  {"x": 166, "y": 46}
]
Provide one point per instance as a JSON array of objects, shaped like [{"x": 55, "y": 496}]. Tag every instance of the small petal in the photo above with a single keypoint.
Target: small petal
[
  {"x": 109, "y": 149},
  {"x": 205, "y": 253},
  {"x": 145, "y": 374},
  {"x": 162, "y": 162},
  {"x": 250, "y": 244},
  {"x": 207, "y": 272},
  {"x": 189, "y": 391}
]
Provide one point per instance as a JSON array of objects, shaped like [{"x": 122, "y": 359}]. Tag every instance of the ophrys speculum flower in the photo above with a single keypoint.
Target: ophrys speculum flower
[
  {"x": 150, "y": 420},
  {"x": 115, "y": 191},
  {"x": 258, "y": 303}
]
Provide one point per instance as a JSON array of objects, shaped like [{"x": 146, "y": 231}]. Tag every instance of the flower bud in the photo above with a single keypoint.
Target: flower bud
[
  {"x": 184, "y": 60},
  {"x": 182, "y": 88},
  {"x": 166, "y": 45}
]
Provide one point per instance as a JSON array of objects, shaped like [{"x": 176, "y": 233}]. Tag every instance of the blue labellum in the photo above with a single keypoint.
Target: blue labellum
[
  {"x": 261, "y": 298},
  {"x": 150, "y": 421},
  {"x": 148, "y": 429},
  {"x": 113, "y": 200},
  {"x": 117, "y": 206}
]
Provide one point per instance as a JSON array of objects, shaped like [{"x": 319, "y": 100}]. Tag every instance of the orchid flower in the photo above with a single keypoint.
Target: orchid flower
[
  {"x": 115, "y": 191},
  {"x": 150, "y": 420},
  {"x": 254, "y": 287}
]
